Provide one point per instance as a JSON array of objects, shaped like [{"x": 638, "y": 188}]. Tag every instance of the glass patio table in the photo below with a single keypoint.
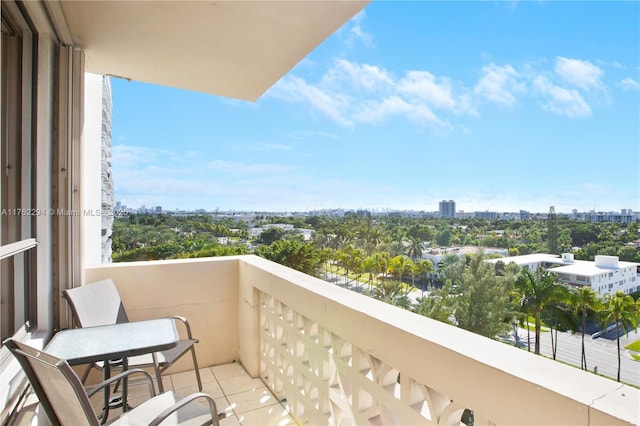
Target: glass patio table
[{"x": 113, "y": 342}]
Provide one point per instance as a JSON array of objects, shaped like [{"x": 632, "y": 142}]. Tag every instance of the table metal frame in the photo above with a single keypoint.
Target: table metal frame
[{"x": 113, "y": 342}]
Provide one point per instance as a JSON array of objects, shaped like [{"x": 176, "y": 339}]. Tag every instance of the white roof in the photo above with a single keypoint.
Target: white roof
[
  {"x": 576, "y": 267},
  {"x": 589, "y": 269},
  {"x": 440, "y": 251},
  {"x": 528, "y": 259}
]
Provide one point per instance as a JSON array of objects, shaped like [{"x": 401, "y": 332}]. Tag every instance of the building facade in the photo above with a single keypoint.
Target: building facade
[
  {"x": 605, "y": 274},
  {"x": 487, "y": 215},
  {"x": 447, "y": 208}
]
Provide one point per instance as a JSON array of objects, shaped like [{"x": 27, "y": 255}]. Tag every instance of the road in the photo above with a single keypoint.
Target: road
[{"x": 600, "y": 352}]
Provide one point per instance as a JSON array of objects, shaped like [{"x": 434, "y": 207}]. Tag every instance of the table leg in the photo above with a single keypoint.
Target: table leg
[
  {"x": 125, "y": 386},
  {"x": 106, "y": 374}
]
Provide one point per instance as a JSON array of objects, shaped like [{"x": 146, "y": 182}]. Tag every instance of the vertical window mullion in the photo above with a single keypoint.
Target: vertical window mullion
[
  {"x": 18, "y": 305},
  {"x": 19, "y": 290}
]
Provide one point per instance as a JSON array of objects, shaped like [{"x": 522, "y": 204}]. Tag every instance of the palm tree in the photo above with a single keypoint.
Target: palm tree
[
  {"x": 414, "y": 251},
  {"x": 394, "y": 292},
  {"x": 399, "y": 265},
  {"x": 623, "y": 310},
  {"x": 356, "y": 264},
  {"x": 509, "y": 273},
  {"x": 372, "y": 238},
  {"x": 451, "y": 267},
  {"x": 382, "y": 263},
  {"x": 343, "y": 237},
  {"x": 344, "y": 258},
  {"x": 536, "y": 290},
  {"x": 370, "y": 266},
  {"x": 562, "y": 315},
  {"x": 585, "y": 301},
  {"x": 321, "y": 238},
  {"x": 420, "y": 269},
  {"x": 351, "y": 259}
]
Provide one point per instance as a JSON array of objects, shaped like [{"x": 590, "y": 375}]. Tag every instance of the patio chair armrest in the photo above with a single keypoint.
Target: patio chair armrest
[
  {"x": 120, "y": 376},
  {"x": 184, "y": 401},
  {"x": 184, "y": 321}
]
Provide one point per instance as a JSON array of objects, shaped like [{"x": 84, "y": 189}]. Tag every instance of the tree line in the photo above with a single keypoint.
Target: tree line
[{"x": 135, "y": 236}]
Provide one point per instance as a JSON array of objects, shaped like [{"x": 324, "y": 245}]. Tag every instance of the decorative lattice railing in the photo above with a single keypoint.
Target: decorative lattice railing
[
  {"x": 339, "y": 357},
  {"x": 327, "y": 380}
]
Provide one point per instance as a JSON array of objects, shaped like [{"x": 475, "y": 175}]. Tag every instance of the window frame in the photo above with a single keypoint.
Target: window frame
[{"x": 18, "y": 289}]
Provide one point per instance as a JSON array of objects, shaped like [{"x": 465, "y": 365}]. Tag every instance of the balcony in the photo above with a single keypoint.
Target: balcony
[
  {"x": 337, "y": 357},
  {"x": 333, "y": 356}
]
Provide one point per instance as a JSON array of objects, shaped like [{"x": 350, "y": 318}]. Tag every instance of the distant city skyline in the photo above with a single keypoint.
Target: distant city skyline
[
  {"x": 163, "y": 209},
  {"x": 408, "y": 104}
]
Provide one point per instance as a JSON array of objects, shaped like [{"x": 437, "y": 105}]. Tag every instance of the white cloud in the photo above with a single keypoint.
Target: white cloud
[
  {"x": 424, "y": 86},
  {"x": 350, "y": 92},
  {"x": 149, "y": 176},
  {"x": 375, "y": 111},
  {"x": 349, "y": 75},
  {"x": 134, "y": 156},
  {"x": 582, "y": 74},
  {"x": 296, "y": 89},
  {"x": 357, "y": 31},
  {"x": 629, "y": 84},
  {"x": 560, "y": 100},
  {"x": 500, "y": 84}
]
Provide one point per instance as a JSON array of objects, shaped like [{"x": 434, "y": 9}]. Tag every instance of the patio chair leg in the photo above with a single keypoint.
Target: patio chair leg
[
  {"x": 195, "y": 365},
  {"x": 86, "y": 373},
  {"x": 159, "y": 379},
  {"x": 156, "y": 367}
]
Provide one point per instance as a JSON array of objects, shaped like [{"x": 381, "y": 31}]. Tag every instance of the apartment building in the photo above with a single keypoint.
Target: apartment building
[
  {"x": 605, "y": 274},
  {"x": 487, "y": 215},
  {"x": 625, "y": 216},
  {"x": 447, "y": 208}
]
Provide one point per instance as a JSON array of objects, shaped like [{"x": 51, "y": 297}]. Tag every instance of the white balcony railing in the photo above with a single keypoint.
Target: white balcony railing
[{"x": 338, "y": 357}]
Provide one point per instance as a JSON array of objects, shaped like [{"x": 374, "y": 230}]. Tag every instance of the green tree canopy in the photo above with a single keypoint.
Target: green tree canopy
[
  {"x": 294, "y": 254},
  {"x": 620, "y": 309},
  {"x": 483, "y": 305}
]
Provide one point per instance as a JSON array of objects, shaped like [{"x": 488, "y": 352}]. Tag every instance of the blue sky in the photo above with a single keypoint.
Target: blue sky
[{"x": 499, "y": 106}]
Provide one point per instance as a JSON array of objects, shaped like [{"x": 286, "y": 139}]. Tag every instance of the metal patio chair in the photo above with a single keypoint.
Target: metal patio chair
[
  {"x": 99, "y": 303},
  {"x": 65, "y": 401}
]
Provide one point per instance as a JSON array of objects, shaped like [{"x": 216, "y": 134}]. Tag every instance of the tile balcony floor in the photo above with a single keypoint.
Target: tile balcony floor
[{"x": 244, "y": 400}]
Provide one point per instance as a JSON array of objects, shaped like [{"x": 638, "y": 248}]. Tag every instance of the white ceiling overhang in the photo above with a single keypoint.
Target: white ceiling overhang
[{"x": 236, "y": 49}]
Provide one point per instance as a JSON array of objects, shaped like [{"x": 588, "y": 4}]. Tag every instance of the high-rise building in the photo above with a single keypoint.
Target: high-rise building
[
  {"x": 487, "y": 215},
  {"x": 447, "y": 208}
]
